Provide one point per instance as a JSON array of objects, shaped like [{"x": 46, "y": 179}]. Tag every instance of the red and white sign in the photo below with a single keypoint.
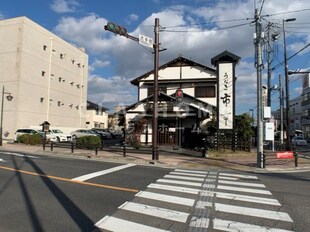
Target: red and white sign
[{"x": 285, "y": 155}]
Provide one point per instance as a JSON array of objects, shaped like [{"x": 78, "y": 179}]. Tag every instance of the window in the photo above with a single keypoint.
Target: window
[
  {"x": 61, "y": 56},
  {"x": 205, "y": 91},
  {"x": 59, "y": 79},
  {"x": 41, "y": 99},
  {"x": 43, "y": 73},
  {"x": 44, "y": 47},
  {"x": 59, "y": 103}
]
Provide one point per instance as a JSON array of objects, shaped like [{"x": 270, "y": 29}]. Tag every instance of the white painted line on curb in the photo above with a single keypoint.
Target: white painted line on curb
[
  {"x": 155, "y": 211},
  {"x": 166, "y": 198},
  {"x": 120, "y": 225},
  {"x": 262, "y": 213},
  {"x": 247, "y": 190},
  {"x": 232, "y": 226},
  {"x": 101, "y": 173},
  {"x": 18, "y": 154}
]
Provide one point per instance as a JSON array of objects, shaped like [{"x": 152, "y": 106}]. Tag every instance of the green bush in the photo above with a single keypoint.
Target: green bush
[
  {"x": 30, "y": 139},
  {"x": 90, "y": 142}
]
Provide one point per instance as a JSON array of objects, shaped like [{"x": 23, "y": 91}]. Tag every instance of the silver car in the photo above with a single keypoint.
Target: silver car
[{"x": 82, "y": 132}]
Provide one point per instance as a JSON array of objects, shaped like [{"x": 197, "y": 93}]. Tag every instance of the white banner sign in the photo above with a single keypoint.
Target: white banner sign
[{"x": 225, "y": 95}]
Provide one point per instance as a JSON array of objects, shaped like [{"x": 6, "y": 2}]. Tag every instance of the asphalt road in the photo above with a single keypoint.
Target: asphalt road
[
  {"x": 44, "y": 193},
  {"x": 293, "y": 192},
  {"x": 37, "y": 193}
]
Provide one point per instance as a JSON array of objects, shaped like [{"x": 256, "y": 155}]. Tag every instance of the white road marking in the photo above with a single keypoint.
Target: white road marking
[
  {"x": 179, "y": 182},
  {"x": 166, "y": 198},
  {"x": 232, "y": 226},
  {"x": 184, "y": 178},
  {"x": 155, "y": 211},
  {"x": 2, "y": 160},
  {"x": 247, "y": 190},
  {"x": 239, "y": 175},
  {"x": 18, "y": 154},
  {"x": 262, "y": 213},
  {"x": 174, "y": 188},
  {"x": 241, "y": 183},
  {"x": 120, "y": 225},
  {"x": 199, "y": 222},
  {"x": 187, "y": 174},
  {"x": 239, "y": 197},
  {"x": 228, "y": 178},
  {"x": 191, "y": 171},
  {"x": 103, "y": 172}
]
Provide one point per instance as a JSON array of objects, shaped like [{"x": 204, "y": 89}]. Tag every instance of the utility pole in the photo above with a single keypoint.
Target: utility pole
[
  {"x": 155, "y": 98},
  {"x": 269, "y": 50},
  {"x": 287, "y": 91},
  {"x": 259, "y": 66},
  {"x": 281, "y": 109}
]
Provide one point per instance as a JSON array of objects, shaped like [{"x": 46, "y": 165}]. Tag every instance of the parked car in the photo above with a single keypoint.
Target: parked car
[
  {"x": 82, "y": 132},
  {"x": 56, "y": 135},
  {"x": 23, "y": 131},
  {"x": 49, "y": 137},
  {"x": 299, "y": 141},
  {"x": 104, "y": 133}
]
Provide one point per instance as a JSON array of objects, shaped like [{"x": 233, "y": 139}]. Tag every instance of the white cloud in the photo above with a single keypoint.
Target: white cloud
[
  {"x": 64, "y": 6},
  {"x": 111, "y": 92},
  {"x": 132, "y": 18},
  {"x": 199, "y": 38}
]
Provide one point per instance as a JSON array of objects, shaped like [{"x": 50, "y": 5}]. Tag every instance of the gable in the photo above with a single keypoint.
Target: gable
[{"x": 177, "y": 69}]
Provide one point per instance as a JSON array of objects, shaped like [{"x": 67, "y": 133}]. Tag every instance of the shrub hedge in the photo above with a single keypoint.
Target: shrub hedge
[
  {"x": 34, "y": 139},
  {"x": 90, "y": 142}
]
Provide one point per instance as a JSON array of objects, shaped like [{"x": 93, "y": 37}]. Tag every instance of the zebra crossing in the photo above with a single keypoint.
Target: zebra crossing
[{"x": 191, "y": 200}]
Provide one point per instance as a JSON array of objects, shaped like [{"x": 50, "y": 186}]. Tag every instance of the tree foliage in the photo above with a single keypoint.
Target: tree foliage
[{"x": 243, "y": 127}]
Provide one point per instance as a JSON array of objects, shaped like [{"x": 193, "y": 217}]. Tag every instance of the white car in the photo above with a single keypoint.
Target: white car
[
  {"x": 60, "y": 136},
  {"x": 56, "y": 135},
  {"x": 299, "y": 141}
]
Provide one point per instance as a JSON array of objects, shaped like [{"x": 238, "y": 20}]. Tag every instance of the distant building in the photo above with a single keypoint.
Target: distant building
[
  {"x": 96, "y": 116},
  {"x": 46, "y": 75}
]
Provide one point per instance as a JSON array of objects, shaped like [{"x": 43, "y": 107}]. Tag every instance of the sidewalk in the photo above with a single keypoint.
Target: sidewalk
[{"x": 243, "y": 161}]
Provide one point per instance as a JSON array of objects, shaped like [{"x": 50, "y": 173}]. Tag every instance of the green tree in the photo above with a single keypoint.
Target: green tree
[{"x": 243, "y": 127}]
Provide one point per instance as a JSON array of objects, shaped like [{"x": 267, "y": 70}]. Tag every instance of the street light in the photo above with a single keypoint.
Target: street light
[
  {"x": 287, "y": 96},
  {"x": 9, "y": 98}
]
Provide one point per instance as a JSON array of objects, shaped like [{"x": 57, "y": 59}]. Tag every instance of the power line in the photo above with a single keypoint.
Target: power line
[{"x": 198, "y": 31}]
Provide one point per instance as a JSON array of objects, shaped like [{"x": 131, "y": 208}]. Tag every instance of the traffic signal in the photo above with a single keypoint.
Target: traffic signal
[
  {"x": 117, "y": 29},
  {"x": 179, "y": 95}
]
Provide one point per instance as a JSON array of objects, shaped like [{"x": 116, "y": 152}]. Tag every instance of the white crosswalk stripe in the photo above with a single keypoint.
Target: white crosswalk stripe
[
  {"x": 178, "y": 182},
  {"x": 237, "y": 197},
  {"x": 191, "y": 196},
  {"x": 166, "y": 198},
  {"x": 232, "y": 226},
  {"x": 118, "y": 225}
]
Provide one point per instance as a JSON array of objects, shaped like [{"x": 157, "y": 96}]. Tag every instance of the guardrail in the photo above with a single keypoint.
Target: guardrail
[{"x": 70, "y": 145}]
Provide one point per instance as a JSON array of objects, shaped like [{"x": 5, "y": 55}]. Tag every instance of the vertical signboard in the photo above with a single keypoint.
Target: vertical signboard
[{"x": 225, "y": 95}]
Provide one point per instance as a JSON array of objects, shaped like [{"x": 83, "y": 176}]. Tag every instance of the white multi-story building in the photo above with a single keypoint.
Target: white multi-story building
[{"x": 46, "y": 76}]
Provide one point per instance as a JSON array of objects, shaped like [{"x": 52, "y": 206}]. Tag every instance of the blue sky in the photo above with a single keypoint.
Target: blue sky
[{"x": 197, "y": 29}]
